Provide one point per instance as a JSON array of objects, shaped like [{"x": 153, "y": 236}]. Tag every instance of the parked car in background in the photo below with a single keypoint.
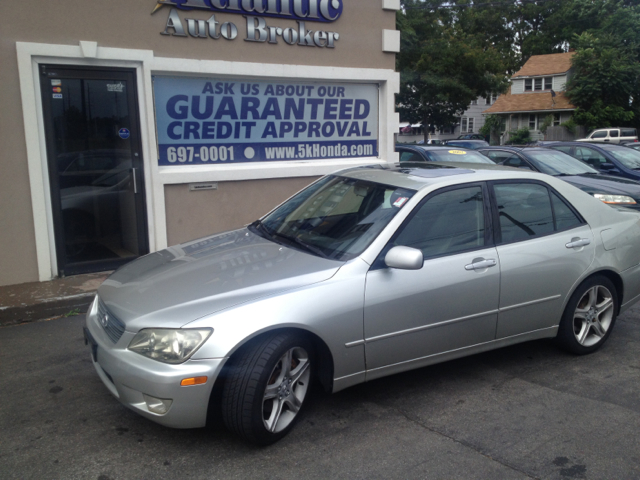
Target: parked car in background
[
  {"x": 611, "y": 135},
  {"x": 365, "y": 273},
  {"x": 471, "y": 136},
  {"x": 431, "y": 141},
  {"x": 424, "y": 153},
  {"x": 607, "y": 158},
  {"x": 634, "y": 145},
  {"x": 607, "y": 188},
  {"x": 469, "y": 144}
]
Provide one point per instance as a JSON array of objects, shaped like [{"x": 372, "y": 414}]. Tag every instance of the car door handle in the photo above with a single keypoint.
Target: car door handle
[
  {"x": 580, "y": 242},
  {"x": 480, "y": 265}
]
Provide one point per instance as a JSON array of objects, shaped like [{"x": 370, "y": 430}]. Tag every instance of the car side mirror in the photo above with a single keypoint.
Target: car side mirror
[
  {"x": 607, "y": 166},
  {"x": 404, "y": 258}
]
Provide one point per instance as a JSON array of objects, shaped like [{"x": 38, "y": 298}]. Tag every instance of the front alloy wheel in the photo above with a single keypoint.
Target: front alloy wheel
[
  {"x": 286, "y": 390},
  {"x": 267, "y": 387}
]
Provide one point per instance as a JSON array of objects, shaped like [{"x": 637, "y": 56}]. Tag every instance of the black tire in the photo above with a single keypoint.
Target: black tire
[
  {"x": 589, "y": 317},
  {"x": 261, "y": 395}
]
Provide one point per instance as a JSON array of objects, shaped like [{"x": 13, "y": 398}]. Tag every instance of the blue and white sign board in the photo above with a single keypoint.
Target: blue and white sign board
[{"x": 203, "y": 121}]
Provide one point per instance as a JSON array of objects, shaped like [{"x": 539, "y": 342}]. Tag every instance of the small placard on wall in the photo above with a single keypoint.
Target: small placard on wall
[{"x": 194, "y": 187}]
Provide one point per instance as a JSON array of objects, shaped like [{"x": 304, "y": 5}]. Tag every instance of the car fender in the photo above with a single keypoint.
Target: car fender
[{"x": 337, "y": 322}]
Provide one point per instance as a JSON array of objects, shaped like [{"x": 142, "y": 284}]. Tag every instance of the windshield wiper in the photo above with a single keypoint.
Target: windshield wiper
[
  {"x": 262, "y": 230},
  {"x": 304, "y": 245}
]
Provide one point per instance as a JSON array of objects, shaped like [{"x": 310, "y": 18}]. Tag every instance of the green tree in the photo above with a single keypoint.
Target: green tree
[
  {"x": 605, "y": 81},
  {"x": 442, "y": 67}
]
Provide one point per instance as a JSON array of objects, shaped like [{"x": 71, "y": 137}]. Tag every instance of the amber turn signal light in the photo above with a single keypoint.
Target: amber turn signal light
[{"x": 193, "y": 381}]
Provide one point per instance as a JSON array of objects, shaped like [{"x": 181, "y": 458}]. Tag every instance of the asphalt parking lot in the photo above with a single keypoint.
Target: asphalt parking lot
[{"x": 528, "y": 411}]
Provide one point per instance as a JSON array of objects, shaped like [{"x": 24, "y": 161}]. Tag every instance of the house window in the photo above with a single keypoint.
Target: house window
[
  {"x": 470, "y": 125},
  {"x": 528, "y": 84},
  {"x": 463, "y": 124},
  {"x": 532, "y": 122},
  {"x": 538, "y": 84},
  {"x": 556, "y": 119},
  {"x": 474, "y": 102}
]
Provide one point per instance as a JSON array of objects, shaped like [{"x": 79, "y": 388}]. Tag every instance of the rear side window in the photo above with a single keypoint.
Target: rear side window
[
  {"x": 529, "y": 210},
  {"x": 516, "y": 162},
  {"x": 410, "y": 157},
  {"x": 613, "y": 133},
  {"x": 565, "y": 149},
  {"x": 628, "y": 132},
  {"x": 498, "y": 156},
  {"x": 565, "y": 218},
  {"x": 601, "y": 134}
]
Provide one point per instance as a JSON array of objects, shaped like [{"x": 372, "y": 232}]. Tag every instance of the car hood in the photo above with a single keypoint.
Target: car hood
[
  {"x": 175, "y": 286},
  {"x": 605, "y": 184}
]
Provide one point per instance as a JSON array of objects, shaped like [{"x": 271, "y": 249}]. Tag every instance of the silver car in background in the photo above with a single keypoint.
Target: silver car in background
[{"x": 365, "y": 273}]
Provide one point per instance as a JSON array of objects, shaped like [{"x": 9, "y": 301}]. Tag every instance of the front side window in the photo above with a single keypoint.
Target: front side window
[
  {"x": 336, "y": 217},
  {"x": 455, "y": 154},
  {"x": 590, "y": 156},
  {"x": 600, "y": 134},
  {"x": 629, "y": 157},
  {"x": 529, "y": 210},
  {"x": 557, "y": 163},
  {"x": 410, "y": 157},
  {"x": 447, "y": 223}
]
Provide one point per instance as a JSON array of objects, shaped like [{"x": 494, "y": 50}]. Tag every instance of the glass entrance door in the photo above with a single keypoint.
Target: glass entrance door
[{"x": 95, "y": 167}]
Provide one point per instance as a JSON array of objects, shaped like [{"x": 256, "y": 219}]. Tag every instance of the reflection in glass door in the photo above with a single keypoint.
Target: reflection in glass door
[{"x": 95, "y": 167}]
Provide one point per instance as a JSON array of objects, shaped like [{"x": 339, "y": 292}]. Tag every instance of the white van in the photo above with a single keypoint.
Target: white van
[{"x": 612, "y": 135}]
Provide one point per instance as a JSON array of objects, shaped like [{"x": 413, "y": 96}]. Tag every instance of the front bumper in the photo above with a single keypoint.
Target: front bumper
[{"x": 139, "y": 382}]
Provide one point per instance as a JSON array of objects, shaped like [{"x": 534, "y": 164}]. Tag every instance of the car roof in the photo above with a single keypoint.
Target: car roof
[
  {"x": 602, "y": 146},
  {"x": 417, "y": 176},
  {"x": 423, "y": 146}
]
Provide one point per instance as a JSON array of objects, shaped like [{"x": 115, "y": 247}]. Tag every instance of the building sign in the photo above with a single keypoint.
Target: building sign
[
  {"x": 203, "y": 121},
  {"x": 311, "y": 10},
  {"x": 257, "y": 28}
]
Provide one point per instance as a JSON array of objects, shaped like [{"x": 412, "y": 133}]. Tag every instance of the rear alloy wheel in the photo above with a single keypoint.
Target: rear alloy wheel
[
  {"x": 267, "y": 388},
  {"x": 589, "y": 317}
]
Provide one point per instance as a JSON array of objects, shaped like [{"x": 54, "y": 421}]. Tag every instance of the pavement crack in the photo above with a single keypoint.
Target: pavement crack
[{"x": 465, "y": 444}]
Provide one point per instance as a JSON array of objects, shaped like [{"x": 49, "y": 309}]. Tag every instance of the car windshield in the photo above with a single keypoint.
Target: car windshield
[
  {"x": 628, "y": 157},
  {"x": 456, "y": 154},
  {"x": 334, "y": 218},
  {"x": 553, "y": 162}
]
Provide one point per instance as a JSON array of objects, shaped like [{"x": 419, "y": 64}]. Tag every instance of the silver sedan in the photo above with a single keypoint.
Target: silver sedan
[{"x": 365, "y": 273}]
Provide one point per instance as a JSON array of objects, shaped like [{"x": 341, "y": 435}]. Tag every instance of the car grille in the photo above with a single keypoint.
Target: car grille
[{"x": 113, "y": 327}]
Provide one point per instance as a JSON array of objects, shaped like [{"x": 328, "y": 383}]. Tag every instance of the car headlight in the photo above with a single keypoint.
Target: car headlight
[
  {"x": 617, "y": 199},
  {"x": 169, "y": 345}
]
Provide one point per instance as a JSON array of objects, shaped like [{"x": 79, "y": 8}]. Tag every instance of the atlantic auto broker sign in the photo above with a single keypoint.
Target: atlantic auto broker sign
[
  {"x": 209, "y": 121},
  {"x": 257, "y": 29}
]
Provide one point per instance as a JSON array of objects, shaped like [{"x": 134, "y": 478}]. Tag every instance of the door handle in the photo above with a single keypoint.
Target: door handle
[
  {"x": 482, "y": 264},
  {"x": 579, "y": 242},
  {"x": 135, "y": 183}
]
